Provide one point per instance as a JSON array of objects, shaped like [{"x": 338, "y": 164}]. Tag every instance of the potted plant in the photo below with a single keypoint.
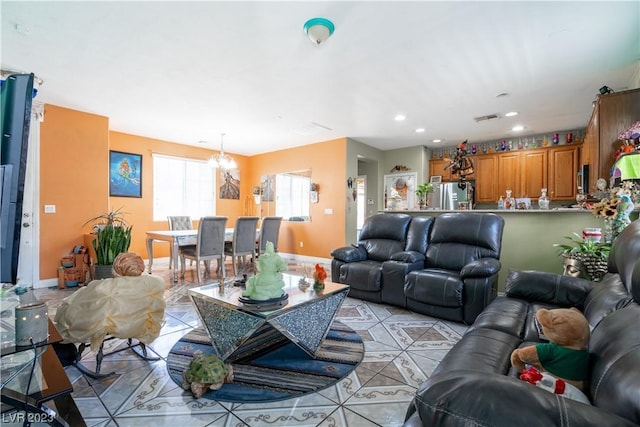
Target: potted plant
[
  {"x": 422, "y": 192},
  {"x": 591, "y": 254},
  {"x": 113, "y": 236}
]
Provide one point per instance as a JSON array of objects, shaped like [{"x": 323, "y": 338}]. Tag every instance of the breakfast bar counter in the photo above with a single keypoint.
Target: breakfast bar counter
[{"x": 529, "y": 235}]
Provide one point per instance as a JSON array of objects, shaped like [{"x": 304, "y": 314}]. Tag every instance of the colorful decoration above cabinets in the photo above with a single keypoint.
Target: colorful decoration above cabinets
[{"x": 461, "y": 165}]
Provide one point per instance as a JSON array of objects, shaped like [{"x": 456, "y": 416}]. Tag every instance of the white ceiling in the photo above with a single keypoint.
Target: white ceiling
[{"x": 187, "y": 71}]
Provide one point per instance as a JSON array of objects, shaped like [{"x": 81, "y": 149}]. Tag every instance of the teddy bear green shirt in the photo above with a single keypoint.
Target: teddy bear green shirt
[{"x": 564, "y": 362}]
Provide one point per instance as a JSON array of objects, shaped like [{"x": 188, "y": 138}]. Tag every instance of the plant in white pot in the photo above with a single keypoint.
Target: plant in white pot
[
  {"x": 422, "y": 192},
  {"x": 113, "y": 236}
]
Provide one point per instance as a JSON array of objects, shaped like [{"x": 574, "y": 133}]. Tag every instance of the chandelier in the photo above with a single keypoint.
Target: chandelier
[{"x": 222, "y": 160}]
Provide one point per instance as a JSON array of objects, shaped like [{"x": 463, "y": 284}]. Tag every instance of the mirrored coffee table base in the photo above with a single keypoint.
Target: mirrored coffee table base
[{"x": 237, "y": 330}]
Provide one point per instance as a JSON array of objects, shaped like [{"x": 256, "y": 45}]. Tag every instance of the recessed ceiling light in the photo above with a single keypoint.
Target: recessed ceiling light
[
  {"x": 437, "y": 140},
  {"x": 517, "y": 128},
  {"x": 511, "y": 114},
  {"x": 400, "y": 117},
  {"x": 420, "y": 130}
]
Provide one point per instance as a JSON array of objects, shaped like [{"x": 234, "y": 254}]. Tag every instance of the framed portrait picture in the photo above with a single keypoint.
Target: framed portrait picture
[
  {"x": 230, "y": 184},
  {"x": 400, "y": 191},
  {"x": 125, "y": 174}
]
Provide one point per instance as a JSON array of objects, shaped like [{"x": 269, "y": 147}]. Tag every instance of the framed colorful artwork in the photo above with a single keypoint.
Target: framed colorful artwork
[{"x": 125, "y": 174}]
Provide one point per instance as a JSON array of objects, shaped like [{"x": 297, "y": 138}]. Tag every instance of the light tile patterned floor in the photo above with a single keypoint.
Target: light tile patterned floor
[{"x": 401, "y": 350}]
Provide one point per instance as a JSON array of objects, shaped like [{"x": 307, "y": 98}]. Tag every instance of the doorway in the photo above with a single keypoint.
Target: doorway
[{"x": 29, "y": 259}]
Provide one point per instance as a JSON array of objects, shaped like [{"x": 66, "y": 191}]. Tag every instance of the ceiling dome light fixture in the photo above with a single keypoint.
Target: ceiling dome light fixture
[
  {"x": 221, "y": 160},
  {"x": 318, "y": 29}
]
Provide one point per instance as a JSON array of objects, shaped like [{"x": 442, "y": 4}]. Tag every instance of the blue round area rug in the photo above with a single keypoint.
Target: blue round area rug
[{"x": 283, "y": 372}]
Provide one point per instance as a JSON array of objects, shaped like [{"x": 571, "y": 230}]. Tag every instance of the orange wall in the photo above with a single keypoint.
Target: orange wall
[
  {"x": 140, "y": 210},
  {"x": 74, "y": 150},
  {"x": 327, "y": 161},
  {"x": 74, "y": 176}
]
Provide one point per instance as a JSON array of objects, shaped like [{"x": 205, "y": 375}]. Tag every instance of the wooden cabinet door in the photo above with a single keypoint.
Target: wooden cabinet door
[
  {"x": 563, "y": 172},
  {"x": 533, "y": 173},
  {"x": 486, "y": 179},
  {"x": 437, "y": 168},
  {"x": 509, "y": 173}
]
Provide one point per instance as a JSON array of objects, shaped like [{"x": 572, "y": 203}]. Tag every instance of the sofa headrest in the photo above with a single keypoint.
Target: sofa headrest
[
  {"x": 483, "y": 230},
  {"x": 418, "y": 235},
  {"x": 625, "y": 252},
  {"x": 386, "y": 226}
]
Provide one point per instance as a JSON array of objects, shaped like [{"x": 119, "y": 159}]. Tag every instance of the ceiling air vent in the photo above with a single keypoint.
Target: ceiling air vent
[{"x": 487, "y": 117}]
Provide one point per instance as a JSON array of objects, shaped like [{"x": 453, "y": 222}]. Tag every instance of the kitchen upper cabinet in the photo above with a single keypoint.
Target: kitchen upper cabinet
[
  {"x": 486, "y": 178},
  {"x": 526, "y": 172},
  {"x": 437, "y": 168},
  {"x": 522, "y": 172},
  {"x": 534, "y": 172},
  {"x": 509, "y": 173},
  {"x": 563, "y": 172}
]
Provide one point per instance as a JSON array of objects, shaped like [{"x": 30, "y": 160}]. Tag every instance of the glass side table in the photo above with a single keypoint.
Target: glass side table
[{"x": 31, "y": 375}]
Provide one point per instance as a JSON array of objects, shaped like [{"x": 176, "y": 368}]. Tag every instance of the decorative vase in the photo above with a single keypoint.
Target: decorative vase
[
  {"x": 509, "y": 201},
  {"x": 102, "y": 271}
]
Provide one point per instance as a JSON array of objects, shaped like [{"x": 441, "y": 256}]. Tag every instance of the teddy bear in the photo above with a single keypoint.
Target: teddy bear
[{"x": 565, "y": 356}]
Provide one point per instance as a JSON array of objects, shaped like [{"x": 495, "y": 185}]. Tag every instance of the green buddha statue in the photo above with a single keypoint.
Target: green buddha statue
[{"x": 267, "y": 283}]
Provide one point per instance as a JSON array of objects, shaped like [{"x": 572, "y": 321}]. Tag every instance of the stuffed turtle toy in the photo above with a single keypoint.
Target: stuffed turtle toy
[{"x": 206, "y": 372}]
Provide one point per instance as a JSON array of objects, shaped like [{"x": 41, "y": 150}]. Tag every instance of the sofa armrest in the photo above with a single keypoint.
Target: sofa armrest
[
  {"x": 539, "y": 286},
  {"x": 350, "y": 253},
  {"x": 452, "y": 399},
  {"x": 407, "y": 257},
  {"x": 481, "y": 268}
]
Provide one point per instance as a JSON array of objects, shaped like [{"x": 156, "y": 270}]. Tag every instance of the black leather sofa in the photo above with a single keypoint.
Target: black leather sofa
[
  {"x": 475, "y": 384},
  {"x": 445, "y": 266}
]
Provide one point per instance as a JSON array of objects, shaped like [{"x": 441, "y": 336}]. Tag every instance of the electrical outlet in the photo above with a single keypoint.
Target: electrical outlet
[{"x": 301, "y": 244}]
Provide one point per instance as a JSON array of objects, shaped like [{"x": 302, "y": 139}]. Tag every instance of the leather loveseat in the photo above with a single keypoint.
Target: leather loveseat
[
  {"x": 445, "y": 266},
  {"x": 475, "y": 385}
]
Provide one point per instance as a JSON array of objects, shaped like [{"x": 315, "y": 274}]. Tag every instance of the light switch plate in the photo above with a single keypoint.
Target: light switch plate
[{"x": 49, "y": 208}]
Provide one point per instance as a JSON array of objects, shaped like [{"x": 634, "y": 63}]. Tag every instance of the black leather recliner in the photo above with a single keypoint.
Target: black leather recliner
[
  {"x": 360, "y": 266},
  {"x": 446, "y": 266},
  {"x": 475, "y": 385},
  {"x": 460, "y": 274}
]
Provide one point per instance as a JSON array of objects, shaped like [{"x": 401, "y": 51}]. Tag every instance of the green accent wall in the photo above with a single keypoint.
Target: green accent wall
[{"x": 529, "y": 236}]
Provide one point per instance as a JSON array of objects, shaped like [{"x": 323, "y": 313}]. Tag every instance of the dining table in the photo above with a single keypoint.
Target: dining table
[{"x": 177, "y": 238}]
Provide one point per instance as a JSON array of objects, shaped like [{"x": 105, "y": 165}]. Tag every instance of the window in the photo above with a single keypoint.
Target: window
[
  {"x": 292, "y": 196},
  {"x": 182, "y": 187}
]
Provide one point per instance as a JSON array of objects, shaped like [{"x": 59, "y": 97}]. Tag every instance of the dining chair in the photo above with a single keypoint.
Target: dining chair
[
  {"x": 269, "y": 232},
  {"x": 179, "y": 222},
  {"x": 209, "y": 245},
  {"x": 244, "y": 240}
]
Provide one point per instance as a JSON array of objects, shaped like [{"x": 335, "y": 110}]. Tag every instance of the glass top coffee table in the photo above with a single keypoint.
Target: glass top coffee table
[{"x": 237, "y": 330}]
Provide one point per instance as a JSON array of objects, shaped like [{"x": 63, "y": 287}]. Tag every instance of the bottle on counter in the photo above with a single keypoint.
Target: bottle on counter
[
  {"x": 500, "y": 203},
  {"x": 509, "y": 201},
  {"x": 581, "y": 197},
  {"x": 543, "y": 200}
]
